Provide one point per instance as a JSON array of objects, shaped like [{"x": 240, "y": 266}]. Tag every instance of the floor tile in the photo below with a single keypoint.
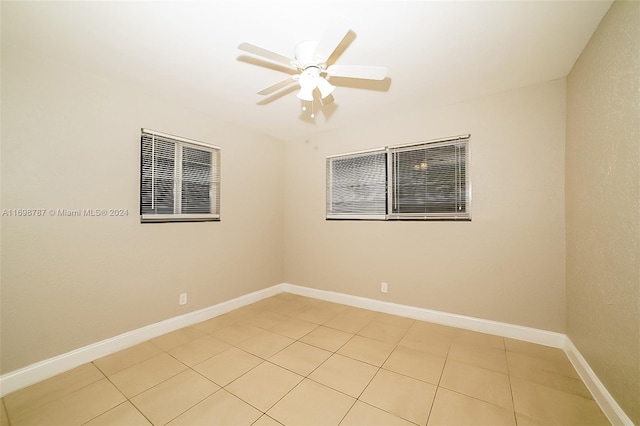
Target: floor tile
[
  {"x": 300, "y": 358},
  {"x": 268, "y": 304},
  {"x": 351, "y": 320},
  {"x": 385, "y": 332},
  {"x": 474, "y": 338},
  {"x": 367, "y": 350},
  {"x": 236, "y": 333},
  {"x": 214, "y": 324},
  {"x": 522, "y": 420},
  {"x": 293, "y": 328},
  {"x": 330, "y": 306},
  {"x": 316, "y": 314},
  {"x": 126, "y": 358},
  {"x": 560, "y": 366},
  {"x": 486, "y": 385},
  {"x": 427, "y": 340},
  {"x": 4, "y": 420},
  {"x": 327, "y": 338},
  {"x": 485, "y": 357},
  {"x": 311, "y": 403},
  {"x": 227, "y": 366},
  {"x": 267, "y": 319},
  {"x": 291, "y": 309},
  {"x": 394, "y": 320},
  {"x": 400, "y": 395},
  {"x": 528, "y": 368},
  {"x": 75, "y": 408},
  {"x": 265, "y": 344},
  {"x": 241, "y": 314},
  {"x": 169, "y": 399},
  {"x": 221, "y": 408},
  {"x": 452, "y": 408},
  {"x": 534, "y": 350},
  {"x": 176, "y": 338},
  {"x": 264, "y": 385},
  {"x": 198, "y": 350},
  {"x": 266, "y": 421},
  {"x": 124, "y": 414},
  {"x": 344, "y": 374},
  {"x": 362, "y": 414},
  {"x": 430, "y": 328},
  {"x": 416, "y": 364},
  {"x": 21, "y": 401},
  {"x": 552, "y": 406},
  {"x": 144, "y": 375}
]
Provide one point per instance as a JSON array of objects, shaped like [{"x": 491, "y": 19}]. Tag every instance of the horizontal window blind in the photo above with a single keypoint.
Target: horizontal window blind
[
  {"x": 429, "y": 181},
  {"x": 356, "y": 186},
  {"x": 197, "y": 182},
  {"x": 180, "y": 181},
  {"x": 423, "y": 181},
  {"x": 158, "y": 175}
]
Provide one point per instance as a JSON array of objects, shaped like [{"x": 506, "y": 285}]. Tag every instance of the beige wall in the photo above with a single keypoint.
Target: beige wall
[
  {"x": 70, "y": 140},
  {"x": 507, "y": 264},
  {"x": 602, "y": 204}
]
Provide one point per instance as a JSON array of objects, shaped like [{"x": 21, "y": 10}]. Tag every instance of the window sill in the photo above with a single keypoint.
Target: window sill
[{"x": 164, "y": 218}]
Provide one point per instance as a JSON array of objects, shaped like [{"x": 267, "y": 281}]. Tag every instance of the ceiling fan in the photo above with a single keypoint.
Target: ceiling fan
[{"x": 310, "y": 63}]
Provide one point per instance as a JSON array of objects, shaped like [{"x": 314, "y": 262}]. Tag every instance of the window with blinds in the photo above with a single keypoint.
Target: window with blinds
[
  {"x": 180, "y": 179},
  {"x": 357, "y": 186},
  {"x": 425, "y": 181}
]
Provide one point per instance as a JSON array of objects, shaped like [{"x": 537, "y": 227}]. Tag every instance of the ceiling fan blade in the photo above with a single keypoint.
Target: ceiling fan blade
[
  {"x": 265, "y": 53},
  {"x": 331, "y": 39},
  {"x": 279, "y": 85},
  {"x": 358, "y": 71}
]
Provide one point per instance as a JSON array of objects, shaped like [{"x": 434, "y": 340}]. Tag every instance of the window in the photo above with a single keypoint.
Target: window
[
  {"x": 180, "y": 179},
  {"x": 426, "y": 181},
  {"x": 357, "y": 188}
]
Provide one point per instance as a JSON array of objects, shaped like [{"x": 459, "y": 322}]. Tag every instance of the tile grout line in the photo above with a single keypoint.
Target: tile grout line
[
  {"x": 264, "y": 413},
  {"x": 335, "y": 352},
  {"x": 125, "y": 397},
  {"x": 163, "y": 351},
  {"x": 513, "y": 402},
  {"x": 433, "y": 403},
  {"x": 307, "y": 376}
]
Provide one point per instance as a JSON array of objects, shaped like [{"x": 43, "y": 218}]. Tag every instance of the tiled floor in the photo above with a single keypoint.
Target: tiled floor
[{"x": 292, "y": 360}]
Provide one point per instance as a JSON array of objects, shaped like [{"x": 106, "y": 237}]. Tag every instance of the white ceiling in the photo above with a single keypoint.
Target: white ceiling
[{"x": 436, "y": 51}]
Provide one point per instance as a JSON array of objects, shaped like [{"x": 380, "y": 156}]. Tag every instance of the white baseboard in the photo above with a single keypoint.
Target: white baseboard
[
  {"x": 37, "y": 372},
  {"x": 609, "y": 406},
  {"x": 534, "y": 335},
  {"x": 42, "y": 370}
]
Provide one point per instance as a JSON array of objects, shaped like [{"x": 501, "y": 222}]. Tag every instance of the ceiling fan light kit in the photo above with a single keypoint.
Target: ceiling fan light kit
[{"x": 311, "y": 63}]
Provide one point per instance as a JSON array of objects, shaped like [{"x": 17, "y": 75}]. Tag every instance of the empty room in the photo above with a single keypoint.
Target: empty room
[{"x": 320, "y": 213}]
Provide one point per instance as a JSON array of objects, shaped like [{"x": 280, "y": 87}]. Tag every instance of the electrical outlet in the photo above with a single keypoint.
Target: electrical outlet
[
  {"x": 183, "y": 299},
  {"x": 383, "y": 287}
]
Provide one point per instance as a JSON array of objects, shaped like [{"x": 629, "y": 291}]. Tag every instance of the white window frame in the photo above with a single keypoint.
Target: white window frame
[
  {"x": 464, "y": 212},
  {"x": 214, "y": 193}
]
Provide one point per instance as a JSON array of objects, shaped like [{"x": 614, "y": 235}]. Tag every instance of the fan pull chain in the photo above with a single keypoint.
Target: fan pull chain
[{"x": 304, "y": 108}]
